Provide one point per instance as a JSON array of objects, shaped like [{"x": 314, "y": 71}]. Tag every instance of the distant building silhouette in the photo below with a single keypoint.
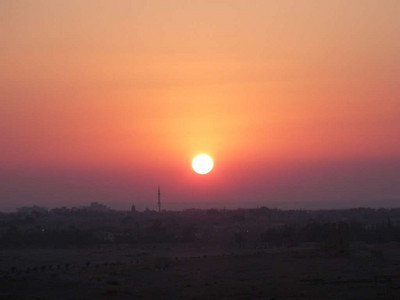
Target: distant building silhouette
[
  {"x": 32, "y": 210},
  {"x": 133, "y": 208},
  {"x": 97, "y": 207}
]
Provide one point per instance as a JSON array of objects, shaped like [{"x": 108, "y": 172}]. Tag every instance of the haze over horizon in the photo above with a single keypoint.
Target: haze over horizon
[{"x": 298, "y": 103}]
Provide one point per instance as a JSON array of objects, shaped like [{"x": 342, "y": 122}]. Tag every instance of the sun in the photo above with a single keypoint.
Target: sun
[{"x": 202, "y": 164}]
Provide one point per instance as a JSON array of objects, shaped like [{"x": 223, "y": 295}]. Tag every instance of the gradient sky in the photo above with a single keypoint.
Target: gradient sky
[{"x": 298, "y": 102}]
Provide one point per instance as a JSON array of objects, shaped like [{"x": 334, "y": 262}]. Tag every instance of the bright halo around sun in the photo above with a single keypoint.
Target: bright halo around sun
[{"x": 202, "y": 164}]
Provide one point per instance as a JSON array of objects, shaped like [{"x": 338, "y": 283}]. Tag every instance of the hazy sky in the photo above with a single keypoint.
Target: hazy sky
[{"x": 298, "y": 102}]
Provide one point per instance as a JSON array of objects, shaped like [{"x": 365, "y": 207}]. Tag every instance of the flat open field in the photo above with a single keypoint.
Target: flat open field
[{"x": 190, "y": 272}]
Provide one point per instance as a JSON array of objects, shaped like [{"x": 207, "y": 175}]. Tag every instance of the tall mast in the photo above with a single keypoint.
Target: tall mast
[{"x": 159, "y": 199}]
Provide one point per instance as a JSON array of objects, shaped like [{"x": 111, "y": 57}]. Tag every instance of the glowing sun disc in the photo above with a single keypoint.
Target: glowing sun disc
[{"x": 202, "y": 164}]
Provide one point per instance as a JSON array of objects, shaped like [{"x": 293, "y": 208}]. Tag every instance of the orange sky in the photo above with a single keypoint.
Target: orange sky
[{"x": 137, "y": 88}]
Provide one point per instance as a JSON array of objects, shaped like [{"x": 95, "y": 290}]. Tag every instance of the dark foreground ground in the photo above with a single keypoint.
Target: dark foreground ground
[{"x": 179, "y": 272}]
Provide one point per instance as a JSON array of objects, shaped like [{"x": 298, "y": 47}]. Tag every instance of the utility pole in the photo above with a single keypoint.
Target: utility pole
[{"x": 159, "y": 199}]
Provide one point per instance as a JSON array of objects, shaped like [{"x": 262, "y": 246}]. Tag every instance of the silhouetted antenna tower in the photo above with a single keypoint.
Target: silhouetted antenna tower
[{"x": 159, "y": 199}]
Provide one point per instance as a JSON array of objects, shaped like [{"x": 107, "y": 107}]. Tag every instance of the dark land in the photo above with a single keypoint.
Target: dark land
[{"x": 98, "y": 253}]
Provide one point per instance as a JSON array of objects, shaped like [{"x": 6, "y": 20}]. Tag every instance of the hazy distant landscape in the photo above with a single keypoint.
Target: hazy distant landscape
[
  {"x": 202, "y": 149},
  {"x": 96, "y": 252}
]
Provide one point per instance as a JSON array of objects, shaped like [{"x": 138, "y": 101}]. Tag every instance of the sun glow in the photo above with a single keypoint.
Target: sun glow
[{"x": 202, "y": 164}]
